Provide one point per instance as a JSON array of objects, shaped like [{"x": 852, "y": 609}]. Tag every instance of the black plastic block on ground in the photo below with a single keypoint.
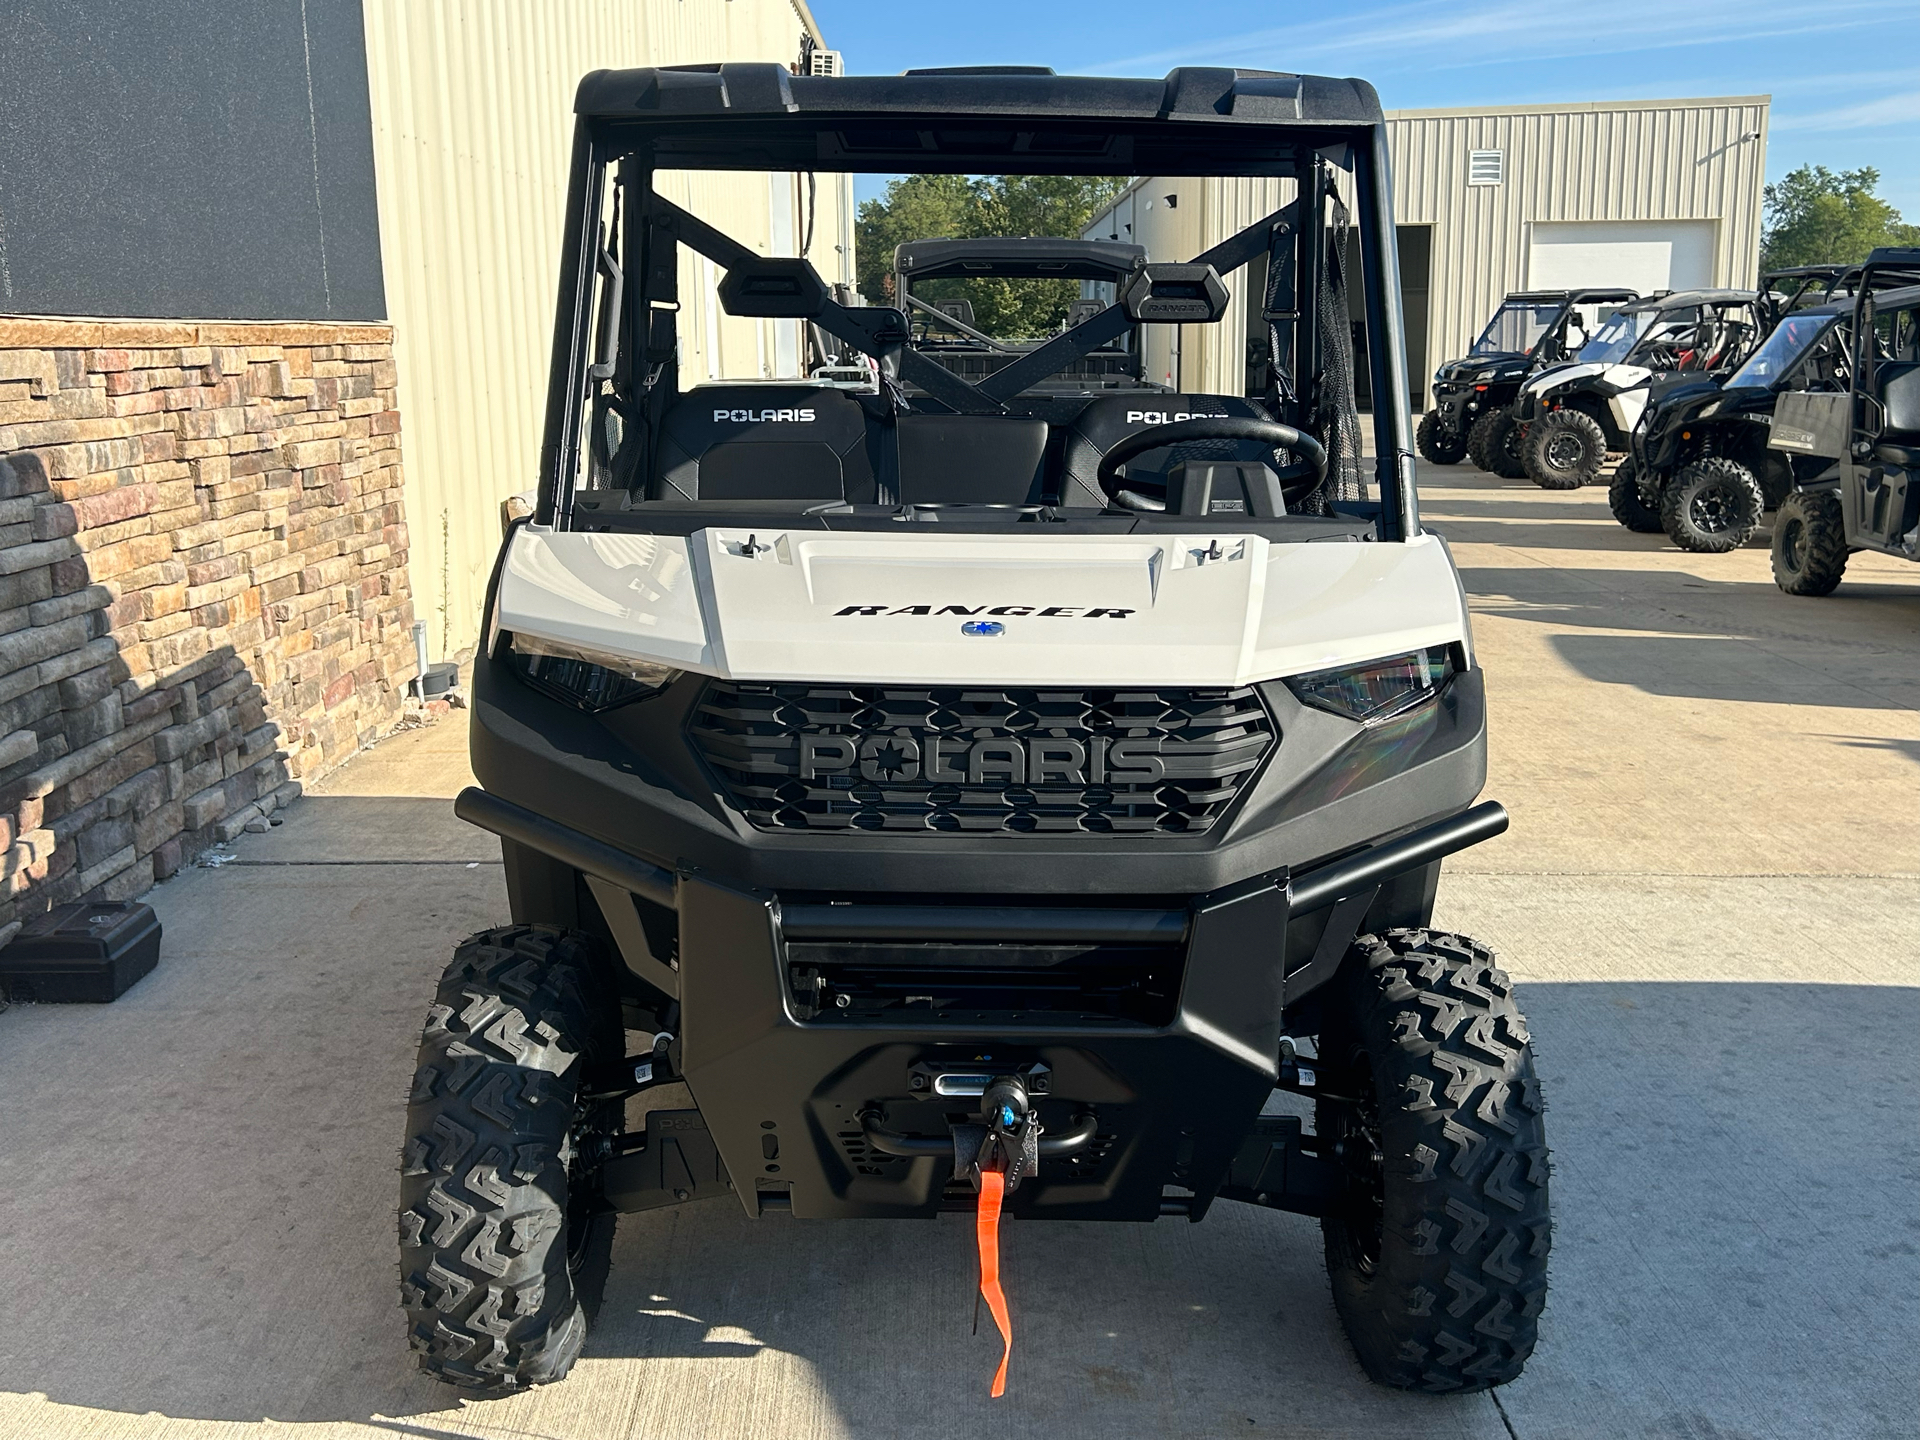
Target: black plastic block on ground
[{"x": 83, "y": 953}]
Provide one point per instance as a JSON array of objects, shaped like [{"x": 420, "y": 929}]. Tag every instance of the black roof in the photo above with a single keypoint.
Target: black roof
[
  {"x": 1897, "y": 299},
  {"x": 1579, "y": 297},
  {"x": 1038, "y": 256},
  {"x": 1190, "y": 93},
  {"x": 1678, "y": 299}
]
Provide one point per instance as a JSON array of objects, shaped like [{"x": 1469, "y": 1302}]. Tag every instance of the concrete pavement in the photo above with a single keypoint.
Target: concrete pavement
[{"x": 1711, "y": 896}]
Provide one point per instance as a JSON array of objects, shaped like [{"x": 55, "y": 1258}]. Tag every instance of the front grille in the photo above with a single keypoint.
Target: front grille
[{"x": 943, "y": 760}]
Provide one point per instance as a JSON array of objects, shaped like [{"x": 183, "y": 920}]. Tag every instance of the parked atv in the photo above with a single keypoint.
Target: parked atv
[
  {"x": 1702, "y": 468},
  {"x": 1864, "y": 441},
  {"x": 980, "y": 796},
  {"x": 1573, "y": 416},
  {"x": 1633, "y": 493},
  {"x": 1473, "y": 397}
]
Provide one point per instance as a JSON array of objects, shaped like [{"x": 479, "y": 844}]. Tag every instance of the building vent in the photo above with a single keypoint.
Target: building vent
[
  {"x": 1486, "y": 167},
  {"x": 824, "y": 62}
]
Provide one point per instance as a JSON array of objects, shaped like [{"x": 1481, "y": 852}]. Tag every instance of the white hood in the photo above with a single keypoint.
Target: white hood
[
  {"x": 864, "y": 607},
  {"x": 1619, "y": 376}
]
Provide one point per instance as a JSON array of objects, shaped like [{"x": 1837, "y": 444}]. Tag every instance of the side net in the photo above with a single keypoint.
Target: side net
[{"x": 1338, "y": 420}]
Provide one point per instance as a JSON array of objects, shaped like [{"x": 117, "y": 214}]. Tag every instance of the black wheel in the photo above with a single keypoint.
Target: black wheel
[
  {"x": 1628, "y": 500},
  {"x": 1477, "y": 434},
  {"x": 504, "y": 1244},
  {"x": 1711, "y": 506},
  {"x": 1437, "y": 443},
  {"x": 1809, "y": 543},
  {"x": 1564, "y": 450},
  {"x": 1438, "y": 1253},
  {"x": 1495, "y": 441}
]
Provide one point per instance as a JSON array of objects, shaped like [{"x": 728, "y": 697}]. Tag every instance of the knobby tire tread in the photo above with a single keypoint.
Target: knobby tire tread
[
  {"x": 1452, "y": 1304},
  {"x": 1536, "y": 451},
  {"x": 491, "y": 1303},
  {"x": 1438, "y": 444},
  {"x": 1628, "y": 501},
  {"x": 1739, "y": 489},
  {"x": 1813, "y": 519}
]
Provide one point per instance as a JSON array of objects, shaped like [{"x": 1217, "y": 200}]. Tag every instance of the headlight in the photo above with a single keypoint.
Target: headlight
[
  {"x": 586, "y": 678},
  {"x": 1379, "y": 688}
]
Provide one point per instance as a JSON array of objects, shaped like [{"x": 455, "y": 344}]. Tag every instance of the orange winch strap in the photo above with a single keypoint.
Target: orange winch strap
[{"x": 987, "y": 1230}]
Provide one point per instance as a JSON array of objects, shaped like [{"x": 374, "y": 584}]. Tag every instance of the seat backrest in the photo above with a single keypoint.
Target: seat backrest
[
  {"x": 981, "y": 459},
  {"x": 1900, "y": 399},
  {"x": 961, "y": 310},
  {"x": 1112, "y": 418},
  {"x": 764, "y": 442}
]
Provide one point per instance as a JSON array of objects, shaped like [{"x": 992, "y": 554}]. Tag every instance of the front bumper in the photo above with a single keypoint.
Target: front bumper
[
  {"x": 1153, "y": 975},
  {"x": 810, "y": 1031}
]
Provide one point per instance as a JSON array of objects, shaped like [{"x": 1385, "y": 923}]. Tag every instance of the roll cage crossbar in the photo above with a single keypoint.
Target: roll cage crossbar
[{"x": 882, "y": 332}]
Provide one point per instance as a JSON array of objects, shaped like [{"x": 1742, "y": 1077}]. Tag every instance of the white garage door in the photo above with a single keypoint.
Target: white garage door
[{"x": 1643, "y": 255}]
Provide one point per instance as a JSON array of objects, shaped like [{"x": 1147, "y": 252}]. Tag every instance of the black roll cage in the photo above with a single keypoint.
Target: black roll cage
[
  {"x": 1883, "y": 269},
  {"x": 642, "y": 244}
]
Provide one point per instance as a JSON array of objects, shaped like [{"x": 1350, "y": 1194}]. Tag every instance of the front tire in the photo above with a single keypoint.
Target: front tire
[
  {"x": 1711, "y": 506},
  {"x": 1629, "y": 503},
  {"x": 1494, "y": 442},
  {"x": 1809, "y": 543},
  {"x": 1438, "y": 1253},
  {"x": 504, "y": 1245},
  {"x": 1437, "y": 443},
  {"x": 1564, "y": 450}
]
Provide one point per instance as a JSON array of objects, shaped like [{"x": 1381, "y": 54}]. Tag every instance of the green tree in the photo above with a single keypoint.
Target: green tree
[
  {"x": 960, "y": 207},
  {"x": 1819, "y": 216}
]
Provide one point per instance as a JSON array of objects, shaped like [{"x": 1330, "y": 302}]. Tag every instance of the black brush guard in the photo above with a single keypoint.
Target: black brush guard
[{"x": 813, "y": 1107}]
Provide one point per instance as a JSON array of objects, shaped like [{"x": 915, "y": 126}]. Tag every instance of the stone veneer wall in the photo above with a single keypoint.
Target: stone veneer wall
[{"x": 203, "y": 587}]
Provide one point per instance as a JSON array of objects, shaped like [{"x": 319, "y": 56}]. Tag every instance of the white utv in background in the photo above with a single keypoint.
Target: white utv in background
[{"x": 970, "y": 787}]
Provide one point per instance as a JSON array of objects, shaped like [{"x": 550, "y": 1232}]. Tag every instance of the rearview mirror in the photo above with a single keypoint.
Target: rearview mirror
[
  {"x": 774, "y": 288},
  {"x": 1175, "y": 295}
]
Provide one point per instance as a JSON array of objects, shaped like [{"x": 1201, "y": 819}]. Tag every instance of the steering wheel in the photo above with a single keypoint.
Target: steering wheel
[{"x": 1224, "y": 427}]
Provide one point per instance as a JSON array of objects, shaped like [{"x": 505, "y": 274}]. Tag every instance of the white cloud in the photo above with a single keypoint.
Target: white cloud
[
  {"x": 1451, "y": 34},
  {"x": 1901, "y": 108}
]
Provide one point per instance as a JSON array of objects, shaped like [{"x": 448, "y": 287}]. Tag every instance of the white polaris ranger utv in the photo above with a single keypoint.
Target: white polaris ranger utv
[{"x": 978, "y": 795}]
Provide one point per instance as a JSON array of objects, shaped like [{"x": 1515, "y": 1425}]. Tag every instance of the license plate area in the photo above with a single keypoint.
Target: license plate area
[{"x": 938, "y": 984}]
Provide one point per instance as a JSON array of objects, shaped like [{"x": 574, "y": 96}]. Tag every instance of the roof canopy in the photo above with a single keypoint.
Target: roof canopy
[{"x": 1006, "y": 120}]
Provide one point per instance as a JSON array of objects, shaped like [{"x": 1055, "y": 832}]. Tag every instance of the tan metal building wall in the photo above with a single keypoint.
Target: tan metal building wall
[
  {"x": 472, "y": 130},
  {"x": 1621, "y": 161},
  {"x": 1680, "y": 163}
]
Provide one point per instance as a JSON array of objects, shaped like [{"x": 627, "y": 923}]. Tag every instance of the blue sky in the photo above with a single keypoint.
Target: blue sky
[{"x": 1842, "y": 97}]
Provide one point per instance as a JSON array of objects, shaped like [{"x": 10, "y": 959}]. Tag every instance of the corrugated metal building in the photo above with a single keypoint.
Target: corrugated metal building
[
  {"x": 472, "y": 130},
  {"x": 1652, "y": 194}
]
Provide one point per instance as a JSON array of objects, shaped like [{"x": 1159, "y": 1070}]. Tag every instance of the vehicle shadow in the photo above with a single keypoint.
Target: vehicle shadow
[
  {"x": 215, "y": 1241},
  {"x": 1674, "y": 633}
]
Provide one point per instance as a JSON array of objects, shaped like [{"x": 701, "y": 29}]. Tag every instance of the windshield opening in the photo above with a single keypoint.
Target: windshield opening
[
  {"x": 926, "y": 341},
  {"x": 1516, "y": 328},
  {"x": 1615, "y": 339},
  {"x": 1790, "y": 341}
]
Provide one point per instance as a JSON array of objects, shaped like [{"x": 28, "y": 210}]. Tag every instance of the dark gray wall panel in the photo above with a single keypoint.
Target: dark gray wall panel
[{"x": 193, "y": 159}]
